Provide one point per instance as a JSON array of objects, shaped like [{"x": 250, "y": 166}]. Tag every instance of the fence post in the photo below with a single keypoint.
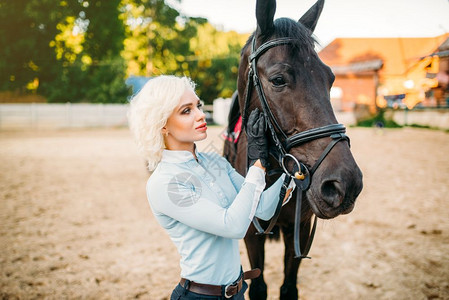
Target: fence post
[
  {"x": 405, "y": 116},
  {"x": 68, "y": 111},
  {"x": 31, "y": 111},
  {"x": 101, "y": 112}
]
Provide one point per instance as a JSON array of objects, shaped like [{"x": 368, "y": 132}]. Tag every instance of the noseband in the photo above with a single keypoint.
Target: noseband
[{"x": 301, "y": 174}]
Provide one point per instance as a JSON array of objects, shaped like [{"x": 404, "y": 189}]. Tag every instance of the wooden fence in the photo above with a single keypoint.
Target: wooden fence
[{"x": 84, "y": 115}]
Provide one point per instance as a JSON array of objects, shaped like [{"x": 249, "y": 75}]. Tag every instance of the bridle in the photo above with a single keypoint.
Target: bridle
[{"x": 301, "y": 174}]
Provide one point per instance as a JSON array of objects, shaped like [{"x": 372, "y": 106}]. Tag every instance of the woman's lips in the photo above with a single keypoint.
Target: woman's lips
[{"x": 202, "y": 127}]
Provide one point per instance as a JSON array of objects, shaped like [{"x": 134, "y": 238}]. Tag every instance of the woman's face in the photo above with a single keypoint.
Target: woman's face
[{"x": 186, "y": 124}]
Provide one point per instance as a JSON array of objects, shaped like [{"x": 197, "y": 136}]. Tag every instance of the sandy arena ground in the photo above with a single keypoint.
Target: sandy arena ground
[{"x": 75, "y": 223}]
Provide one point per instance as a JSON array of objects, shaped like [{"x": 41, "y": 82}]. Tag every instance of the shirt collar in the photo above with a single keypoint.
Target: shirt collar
[{"x": 178, "y": 156}]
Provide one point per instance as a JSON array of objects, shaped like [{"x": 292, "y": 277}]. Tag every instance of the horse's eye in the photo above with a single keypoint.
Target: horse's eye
[{"x": 278, "y": 81}]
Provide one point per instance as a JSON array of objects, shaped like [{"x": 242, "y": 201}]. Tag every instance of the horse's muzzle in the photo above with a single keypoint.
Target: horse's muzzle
[{"x": 335, "y": 196}]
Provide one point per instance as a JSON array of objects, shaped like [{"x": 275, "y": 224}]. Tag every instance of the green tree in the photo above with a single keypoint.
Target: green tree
[
  {"x": 42, "y": 53},
  {"x": 158, "y": 37},
  {"x": 82, "y": 50},
  {"x": 162, "y": 41},
  {"x": 214, "y": 65},
  {"x": 67, "y": 81},
  {"x": 26, "y": 30},
  {"x": 103, "y": 45}
]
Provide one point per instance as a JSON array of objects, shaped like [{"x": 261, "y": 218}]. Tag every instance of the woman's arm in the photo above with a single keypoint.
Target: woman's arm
[
  {"x": 270, "y": 198},
  {"x": 203, "y": 214},
  {"x": 267, "y": 204}
]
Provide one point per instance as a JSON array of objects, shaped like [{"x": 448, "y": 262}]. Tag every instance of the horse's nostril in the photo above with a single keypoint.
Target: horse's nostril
[{"x": 332, "y": 193}]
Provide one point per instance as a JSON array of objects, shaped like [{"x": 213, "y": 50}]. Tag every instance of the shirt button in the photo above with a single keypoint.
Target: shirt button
[{"x": 211, "y": 184}]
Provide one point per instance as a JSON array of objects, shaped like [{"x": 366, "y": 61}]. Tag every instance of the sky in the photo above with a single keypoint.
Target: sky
[{"x": 340, "y": 18}]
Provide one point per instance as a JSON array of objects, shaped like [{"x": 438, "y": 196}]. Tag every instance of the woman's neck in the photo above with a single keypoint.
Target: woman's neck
[{"x": 183, "y": 147}]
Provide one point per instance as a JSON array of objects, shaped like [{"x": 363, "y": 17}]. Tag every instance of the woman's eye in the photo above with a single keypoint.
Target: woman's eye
[
  {"x": 278, "y": 81},
  {"x": 200, "y": 106},
  {"x": 186, "y": 111}
]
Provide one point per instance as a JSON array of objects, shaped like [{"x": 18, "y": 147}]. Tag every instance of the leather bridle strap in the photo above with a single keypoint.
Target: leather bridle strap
[
  {"x": 275, "y": 217},
  {"x": 336, "y": 137},
  {"x": 253, "y": 78},
  {"x": 313, "y": 134},
  {"x": 272, "y": 123},
  {"x": 281, "y": 149},
  {"x": 255, "y": 53},
  {"x": 296, "y": 232}
]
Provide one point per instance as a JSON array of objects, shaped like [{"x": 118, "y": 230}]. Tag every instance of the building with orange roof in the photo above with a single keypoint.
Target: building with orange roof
[{"x": 382, "y": 71}]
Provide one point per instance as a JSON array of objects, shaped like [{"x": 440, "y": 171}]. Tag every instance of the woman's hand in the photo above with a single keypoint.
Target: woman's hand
[
  {"x": 288, "y": 195},
  {"x": 257, "y": 163},
  {"x": 257, "y": 140}
]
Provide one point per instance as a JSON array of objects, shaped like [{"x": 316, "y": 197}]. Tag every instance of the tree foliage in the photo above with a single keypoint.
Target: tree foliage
[
  {"x": 63, "y": 50},
  {"x": 26, "y": 30},
  {"x": 161, "y": 41},
  {"x": 158, "y": 37},
  {"x": 214, "y": 65},
  {"x": 83, "y": 50}
]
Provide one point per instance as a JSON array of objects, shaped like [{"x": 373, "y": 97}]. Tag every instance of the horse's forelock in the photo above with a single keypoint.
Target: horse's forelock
[
  {"x": 305, "y": 41},
  {"x": 285, "y": 27}
]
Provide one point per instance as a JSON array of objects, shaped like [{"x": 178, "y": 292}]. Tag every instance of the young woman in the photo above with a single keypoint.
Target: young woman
[{"x": 198, "y": 198}]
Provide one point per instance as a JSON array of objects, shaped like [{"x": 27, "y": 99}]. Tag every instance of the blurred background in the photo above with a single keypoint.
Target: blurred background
[
  {"x": 84, "y": 51},
  {"x": 384, "y": 55},
  {"x": 74, "y": 219}
]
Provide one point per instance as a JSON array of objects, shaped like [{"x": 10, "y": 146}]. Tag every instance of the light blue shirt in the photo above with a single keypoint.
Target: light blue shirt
[{"x": 206, "y": 207}]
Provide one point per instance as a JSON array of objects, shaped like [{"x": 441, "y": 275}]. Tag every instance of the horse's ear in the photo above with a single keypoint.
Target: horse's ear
[
  {"x": 265, "y": 10},
  {"x": 310, "y": 18}
]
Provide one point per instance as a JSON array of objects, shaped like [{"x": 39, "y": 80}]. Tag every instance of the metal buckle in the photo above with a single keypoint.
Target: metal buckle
[
  {"x": 226, "y": 290},
  {"x": 285, "y": 168}
]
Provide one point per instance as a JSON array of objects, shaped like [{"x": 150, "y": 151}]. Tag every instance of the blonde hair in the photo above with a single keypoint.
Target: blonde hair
[{"x": 149, "y": 111}]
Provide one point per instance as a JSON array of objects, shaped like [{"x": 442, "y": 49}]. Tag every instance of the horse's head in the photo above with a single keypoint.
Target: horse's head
[{"x": 296, "y": 84}]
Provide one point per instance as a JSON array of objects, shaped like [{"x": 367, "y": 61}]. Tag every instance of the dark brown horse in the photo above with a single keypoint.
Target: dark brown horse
[{"x": 281, "y": 74}]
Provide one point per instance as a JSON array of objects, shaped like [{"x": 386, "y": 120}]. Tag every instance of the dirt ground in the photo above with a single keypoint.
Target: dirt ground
[{"x": 75, "y": 223}]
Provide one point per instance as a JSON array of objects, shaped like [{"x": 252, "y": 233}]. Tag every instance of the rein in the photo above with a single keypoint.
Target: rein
[{"x": 301, "y": 174}]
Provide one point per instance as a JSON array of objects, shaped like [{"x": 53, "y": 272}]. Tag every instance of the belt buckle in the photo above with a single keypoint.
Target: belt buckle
[{"x": 226, "y": 290}]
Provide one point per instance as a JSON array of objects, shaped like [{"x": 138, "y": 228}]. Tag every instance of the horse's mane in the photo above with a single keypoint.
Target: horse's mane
[{"x": 285, "y": 27}]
